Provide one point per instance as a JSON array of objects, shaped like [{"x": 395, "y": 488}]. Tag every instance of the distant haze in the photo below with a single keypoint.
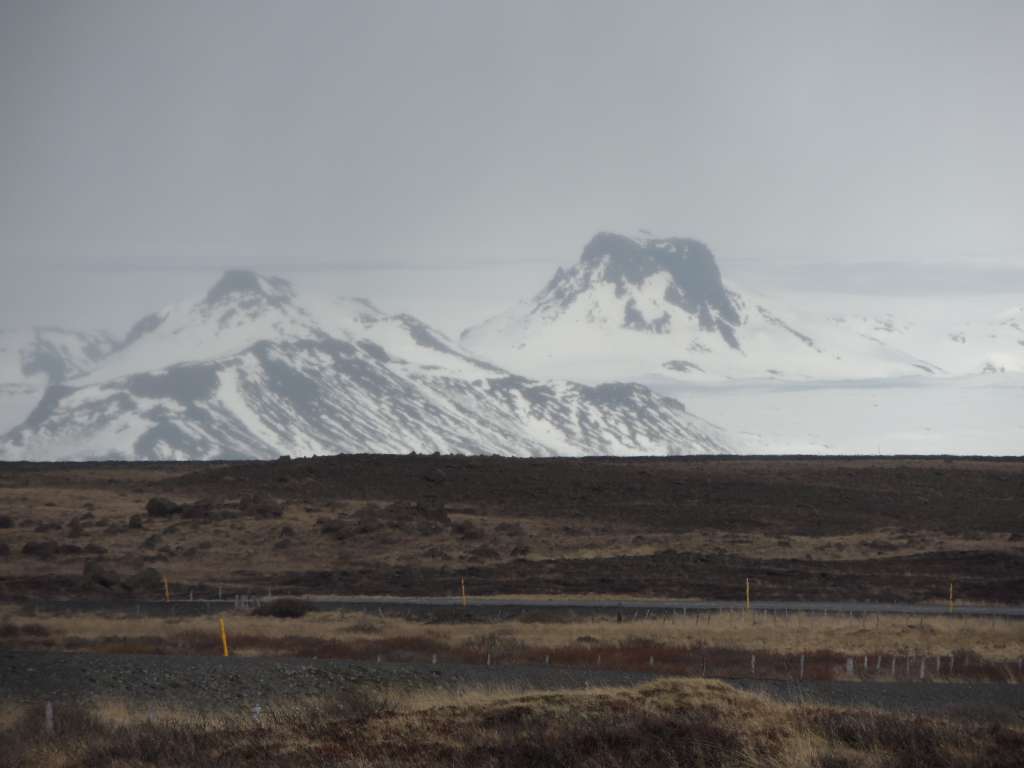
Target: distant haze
[{"x": 474, "y": 146}]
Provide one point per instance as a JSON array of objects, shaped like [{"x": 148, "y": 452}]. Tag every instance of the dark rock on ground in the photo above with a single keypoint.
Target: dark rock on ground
[
  {"x": 261, "y": 505},
  {"x": 96, "y": 573},
  {"x": 161, "y": 507},
  {"x": 41, "y": 549}
]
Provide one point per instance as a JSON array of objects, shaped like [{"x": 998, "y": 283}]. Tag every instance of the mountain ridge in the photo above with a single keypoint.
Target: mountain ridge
[{"x": 252, "y": 371}]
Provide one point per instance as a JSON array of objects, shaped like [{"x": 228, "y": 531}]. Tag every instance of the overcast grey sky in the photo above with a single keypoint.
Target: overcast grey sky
[{"x": 458, "y": 134}]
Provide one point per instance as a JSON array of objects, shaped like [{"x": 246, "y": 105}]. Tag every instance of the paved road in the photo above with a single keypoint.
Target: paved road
[
  {"x": 202, "y": 682},
  {"x": 663, "y": 605},
  {"x": 507, "y": 606}
]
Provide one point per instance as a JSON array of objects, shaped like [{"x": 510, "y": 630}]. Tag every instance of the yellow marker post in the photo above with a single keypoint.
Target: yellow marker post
[
  {"x": 951, "y": 597},
  {"x": 462, "y": 581},
  {"x": 748, "y": 594},
  {"x": 167, "y": 591},
  {"x": 224, "y": 637}
]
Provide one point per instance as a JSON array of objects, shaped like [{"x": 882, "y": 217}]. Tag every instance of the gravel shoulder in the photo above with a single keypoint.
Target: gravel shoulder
[{"x": 209, "y": 682}]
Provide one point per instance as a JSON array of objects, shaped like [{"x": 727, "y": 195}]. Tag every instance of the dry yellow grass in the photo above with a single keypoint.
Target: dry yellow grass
[
  {"x": 996, "y": 640},
  {"x": 671, "y": 722}
]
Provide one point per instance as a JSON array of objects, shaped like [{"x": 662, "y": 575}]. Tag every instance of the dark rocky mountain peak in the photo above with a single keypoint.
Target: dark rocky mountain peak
[
  {"x": 694, "y": 285},
  {"x": 240, "y": 284}
]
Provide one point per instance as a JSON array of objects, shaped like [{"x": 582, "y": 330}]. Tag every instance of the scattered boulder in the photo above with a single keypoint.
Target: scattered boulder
[
  {"x": 283, "y": 544},
  {"x": 432, "y": 510},
  {"x": 75, "y": 528},
  {"x": 69, "y": 549},
  {"x": 485, "y": 553},
  {"x": 261, "y": 505},
  {"x": 41, "y": 549},
  {"x": 6, "y": 521},
  {"x": 47, "y": 527},
  {"x": 200, "y": 510},
  {"x": 152, "y": 542},
  {"x": 94, "y": 549},
  {"x": 96, "y": 573},
  {"x": 161, "y": 507},
  {"x": 520, "y": 551},
  {"x": 286, "y": 530},
  {"x": 468, "y": 530},
  {"x": 5, "y": 550},
  {"x": 436, "y": 475},
  {"x": 146, "y": 580},
  {"x": 135, "y": 521}
]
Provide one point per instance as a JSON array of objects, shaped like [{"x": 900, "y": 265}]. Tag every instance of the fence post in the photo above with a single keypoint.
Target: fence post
[
  {"x": 753, "y": 665},
  {"x": 433, "y": 659},
  {"x": 849, "y": 667},
  {"x": 922, "y": 667},
  {"x": 223, "y": 636},
  {"x": 894, "y": 666},
  {"x": 488, "y": 659},
  {"x": 801, "y": 666},
  {"x": 49, "y": 717}
]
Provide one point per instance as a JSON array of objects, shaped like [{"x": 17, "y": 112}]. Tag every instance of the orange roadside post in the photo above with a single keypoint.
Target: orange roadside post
[{"x": 224, "y": 636}]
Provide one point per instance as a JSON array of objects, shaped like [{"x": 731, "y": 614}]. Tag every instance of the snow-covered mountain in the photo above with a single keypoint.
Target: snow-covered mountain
[
  {"x": 32, "y": 360},
  {"x": 253, "y": 370},
  {"x": 632, "y": 308},
  {"x": 960, "y": 338}
]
